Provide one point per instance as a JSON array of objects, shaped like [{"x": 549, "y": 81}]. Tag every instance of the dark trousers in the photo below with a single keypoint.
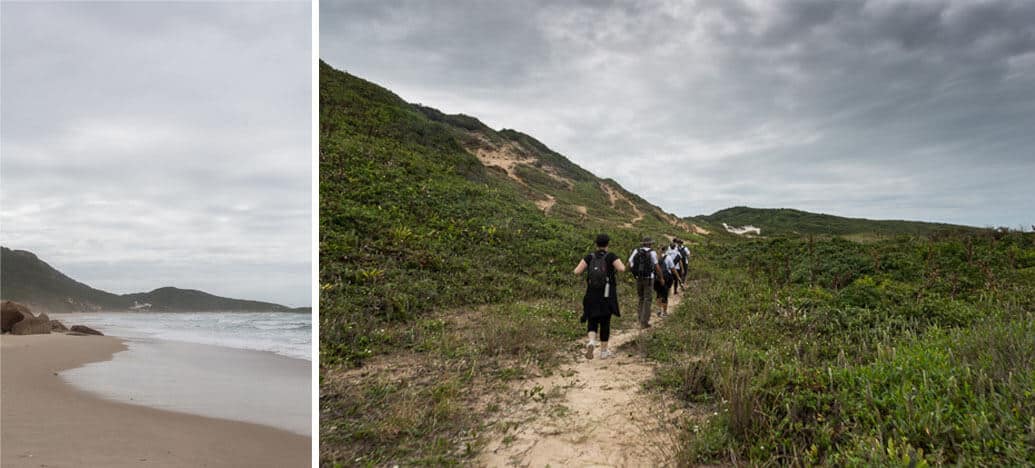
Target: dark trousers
[
  {"x": 663, "y": 290},
  {"x": 604, "y": 326},
  {"x": 643, "y": 291}
]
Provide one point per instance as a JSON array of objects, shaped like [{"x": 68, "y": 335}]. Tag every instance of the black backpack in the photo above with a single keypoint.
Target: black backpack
[
  {"x": 597, "y": 276},
  {"x": 642, "y": 267}
]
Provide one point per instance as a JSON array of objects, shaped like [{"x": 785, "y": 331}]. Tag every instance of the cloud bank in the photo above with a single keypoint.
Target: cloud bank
[
  {"x": 152, "y": 144},
  {"x": 882, "y": 109}
]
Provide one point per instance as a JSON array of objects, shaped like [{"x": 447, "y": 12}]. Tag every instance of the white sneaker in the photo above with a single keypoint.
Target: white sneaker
[
  {"x": 606, "y": 354},
  {"x": 589, "y": 350}
]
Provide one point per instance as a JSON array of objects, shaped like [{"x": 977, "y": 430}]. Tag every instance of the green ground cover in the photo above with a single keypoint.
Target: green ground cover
[
  {"x": 440, "y": 280},
  {"x": 898, "y": 352}
]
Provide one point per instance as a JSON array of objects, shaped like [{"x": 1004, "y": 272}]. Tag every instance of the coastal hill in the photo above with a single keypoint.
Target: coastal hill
[
  {"x": 791, "y": 222},
  {"x": 451, "y": 244},
  {"x": 29, "y": 280},
  {"x": 557, "y": 186},
  {"x": 450, "y": 313},
  {"x": 357, "y": 111},
  {"x": 421, "y": 210}
]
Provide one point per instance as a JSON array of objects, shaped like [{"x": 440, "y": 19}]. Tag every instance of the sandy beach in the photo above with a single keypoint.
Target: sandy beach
[{"x": 48, "y": 423}]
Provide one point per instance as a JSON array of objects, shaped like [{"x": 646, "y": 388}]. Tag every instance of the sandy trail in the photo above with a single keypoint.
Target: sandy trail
[{"x": 590, "y": 413}]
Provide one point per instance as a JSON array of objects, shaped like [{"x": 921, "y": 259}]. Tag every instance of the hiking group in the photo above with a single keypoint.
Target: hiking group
[{"x": 654, "y": 277}]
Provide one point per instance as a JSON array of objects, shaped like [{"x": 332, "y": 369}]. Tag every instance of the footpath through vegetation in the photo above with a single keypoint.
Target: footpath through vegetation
[{"x": 591, "y": 412}]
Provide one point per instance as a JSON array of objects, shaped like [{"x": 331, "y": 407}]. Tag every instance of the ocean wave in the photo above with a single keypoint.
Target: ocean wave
[{"x": 286, "y": 334}]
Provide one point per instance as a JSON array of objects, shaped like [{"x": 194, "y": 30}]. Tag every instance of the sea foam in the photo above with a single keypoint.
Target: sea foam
[{"x": 286, "y": 334}]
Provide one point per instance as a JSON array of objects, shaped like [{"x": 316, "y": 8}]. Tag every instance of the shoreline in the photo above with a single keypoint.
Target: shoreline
[
  {"x": 174, "y": 332},
  {"x": 46, "y": 421},
  {"x": 205, "y": 380}
]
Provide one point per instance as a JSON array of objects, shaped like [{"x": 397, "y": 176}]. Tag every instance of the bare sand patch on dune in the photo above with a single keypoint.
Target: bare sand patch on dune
[
  {"x": 546, "y": 204},
  {"x": 615, "y": 196},
  {"x": 508, "y": 156}
]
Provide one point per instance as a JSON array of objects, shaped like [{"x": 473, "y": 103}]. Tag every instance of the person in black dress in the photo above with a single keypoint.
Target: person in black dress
[{"x": 600, "y": 302}]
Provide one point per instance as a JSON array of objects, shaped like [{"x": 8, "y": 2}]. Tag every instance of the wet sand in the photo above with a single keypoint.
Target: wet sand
[
  {"x": 44, "y": 421},
  {"x": 212, "y": 381}
]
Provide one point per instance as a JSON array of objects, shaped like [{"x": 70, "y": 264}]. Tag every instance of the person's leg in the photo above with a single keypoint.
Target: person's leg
[
  {"x": 657, "y": 290},
  {"x": 592, "y": 332},
  {"x": 663, "y": 296},
  {"x": 639, "y": 298},
  {"x": 644, "y": 289},
  {"x": 605, "y": 334},
  {"x": 671, "y": 284}
]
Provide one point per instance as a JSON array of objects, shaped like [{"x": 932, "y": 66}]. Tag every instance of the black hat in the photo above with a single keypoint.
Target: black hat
[{"x": 647, "y": 240}]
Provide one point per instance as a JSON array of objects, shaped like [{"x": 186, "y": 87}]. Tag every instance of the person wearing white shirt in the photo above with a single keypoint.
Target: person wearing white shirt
[
  {"x": 643, "y": 262},
  {"x": 684, "y": 258},
  {"x": 677, "y": 271},
  {"x": 665, "y": 280}
]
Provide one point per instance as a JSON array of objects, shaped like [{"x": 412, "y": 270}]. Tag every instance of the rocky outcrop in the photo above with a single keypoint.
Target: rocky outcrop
[
  {"x": 57, "y": 326},
  {"x": 19, "y": 320},
  {"x": 85, "y": 330},
  {"x": 10, "y": 314},
  {"x": 32, "y": 325}
]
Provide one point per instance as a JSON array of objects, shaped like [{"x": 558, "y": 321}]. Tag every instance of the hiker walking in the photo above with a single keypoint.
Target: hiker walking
[
  {"x": 684, "y": 256},
  {"x": 601, "y": 299},
  {"x": 664, "y": 282},
  {"x": 677, "y": 275},
  {"x": 644, "y": 264}
]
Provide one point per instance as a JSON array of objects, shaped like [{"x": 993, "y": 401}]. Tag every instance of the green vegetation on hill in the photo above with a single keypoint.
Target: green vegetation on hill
[
  {"x": 430, "y": 257},
  {"x": 175, "y": 299},
  {"x": 27, "y": 279},
  {"x": 784, "y": 221},
  {"x": 411, "y": 221},
  {"x": 442, "y": 280},
  {"x": 905, "y": 351},
  {"x": 31, "y": 281}
]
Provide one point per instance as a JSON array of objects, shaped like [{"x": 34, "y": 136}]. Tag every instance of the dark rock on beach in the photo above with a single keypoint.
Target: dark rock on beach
[
  {"x": 57, "y": 326},
  {"x": 11, "y": 313},
  {"x": 32, "y": 325},
  {"x": 19, "y": 320},
  {"x": 85, "y": 330}
]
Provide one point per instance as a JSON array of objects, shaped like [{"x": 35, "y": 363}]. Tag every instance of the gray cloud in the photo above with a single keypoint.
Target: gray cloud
[
  {"x": 882, "y": 109},
  {"x": 151, "y": 144}
]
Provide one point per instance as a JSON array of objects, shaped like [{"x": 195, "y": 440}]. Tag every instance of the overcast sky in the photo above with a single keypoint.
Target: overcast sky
[
  {"x": 883, "y": 109},
  {"x": 160, "y": 144}
]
